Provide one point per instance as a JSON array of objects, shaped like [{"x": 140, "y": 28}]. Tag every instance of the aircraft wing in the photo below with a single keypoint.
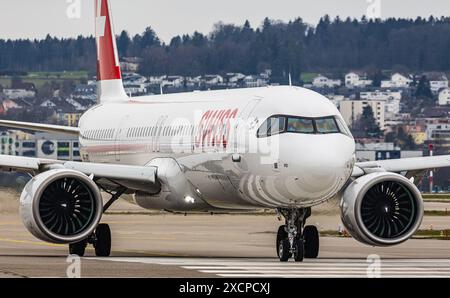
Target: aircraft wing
[
  {"x": 132, "y": 177},
  {"x": 40, "y": 127},
  {"x": 415, "y": 164}
]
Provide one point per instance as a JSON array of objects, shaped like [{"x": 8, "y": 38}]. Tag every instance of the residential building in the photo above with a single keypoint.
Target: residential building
[
  {"x": 444, "y": 97},
  {"x": 381, "y": 95},
  {"x": 432, "y": 128},
  {"x": 351, "y": 110},
  {"x": 135, "y": 89},
  {"x": 356, "y": 80},
  {"x": 438, "y": 81},
  {"x": 254, "y": 81},
  {"x": 324, "y": 82},
  {"x": 213, "y": 79},
  {"x": 70, "y": 119},
  {"x": 18, "y": 93},
  {"x": 397, "y": 81}
]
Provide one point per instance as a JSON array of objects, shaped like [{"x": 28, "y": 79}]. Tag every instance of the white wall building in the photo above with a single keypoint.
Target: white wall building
[
  {"x": 437, "y": 84},
  {"x": 322, "y": 82},
  {"x": 444, "y": 97},
  {"x": 435, "y": 127},
  {"x": 391, "y": 99},
  {"x": 18, "y": 93},
  {"x": 381, "y": 95},
  {"x": 397, "y": 81},
  {"x": 354, "y": 80}
]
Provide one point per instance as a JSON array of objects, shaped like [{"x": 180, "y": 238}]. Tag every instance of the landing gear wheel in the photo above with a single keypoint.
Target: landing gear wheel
[
  {"x": 284, "y": 250},
  {"x": 78, "y": 248},
  {"x": 311, "y": 236},
  {"x": 299, "y": 250},
  {"x": 282, "y": 234},
  {"x": 102, "y": 241}
]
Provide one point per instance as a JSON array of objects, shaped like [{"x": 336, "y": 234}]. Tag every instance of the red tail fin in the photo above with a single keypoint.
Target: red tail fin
[{"x": 108, "y": 65}]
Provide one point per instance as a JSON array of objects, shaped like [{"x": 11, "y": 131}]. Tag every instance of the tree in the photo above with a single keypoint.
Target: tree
[
  {"x": 423, "y": 88},
  {"x": 45, "y": 91},
  {"x": 400, "y": 138},
  {"x": 366, "y": 124},
  {"x": 67, "y": 88},
  {"x": 123, "y": 43},
  {"x": 149, "y": 39}
]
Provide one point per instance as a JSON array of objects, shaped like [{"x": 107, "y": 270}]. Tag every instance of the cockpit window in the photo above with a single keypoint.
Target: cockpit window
[
  {"x": 272, "y": 126},
  {"x": 292, "y": 124},
  {"x": 327, "y": 125},
  {"x": 343, "y": 127},
  {"x": 300, "y": 125}
]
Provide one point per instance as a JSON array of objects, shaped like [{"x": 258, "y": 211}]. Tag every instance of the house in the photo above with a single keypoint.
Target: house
[
  {"x": 351, "y": 110},
  {"x": 234, "y": 79},
  {"x": 254, "y": 81},
  {"x": 381, "y": 95},
  {"x": 444, "y": 97},
  {"x": 322, "y": 82},
  {"x": 173, "y": 81},
  {"x": 438, "y": 81},
  {"x": 15, "y": 104},
  {"x": 135, "y": 89},
  {"x": 59, "y": 104},
  {"x": 19, "y": 93},
  {"x": 24, "y": 85},
  {"x": 357, "y": 80},
  {"x": 70, "y": 119},
  {"x": 212, "y": 80},
  {"x": 129, "y": 67},
  {"x": 86, "y": 92},
  {"x": 130, "y": 64},
  {"x": 397, "y": 81},
  {"x": 133, "y": 78}
]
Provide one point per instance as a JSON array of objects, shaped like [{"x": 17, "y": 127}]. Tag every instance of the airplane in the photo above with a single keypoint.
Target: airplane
[{"x": 284, "y": 148}]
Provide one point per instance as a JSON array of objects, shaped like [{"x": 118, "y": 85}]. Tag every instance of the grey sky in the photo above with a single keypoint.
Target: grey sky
[{"x": 36, "y": 18}]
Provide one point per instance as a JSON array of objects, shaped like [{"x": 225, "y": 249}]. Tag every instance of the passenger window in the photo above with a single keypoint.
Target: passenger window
[
  {"x": 272, "y": 126},
  {"x": 300, "y": 125},
  {"x": 327, "y": 125}
]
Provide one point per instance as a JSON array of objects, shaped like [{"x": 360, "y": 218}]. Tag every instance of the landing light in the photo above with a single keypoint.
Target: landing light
[{"x": 189, "y": 199}]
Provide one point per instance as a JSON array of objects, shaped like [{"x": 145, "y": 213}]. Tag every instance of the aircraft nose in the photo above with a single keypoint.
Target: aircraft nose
[{"x": 320, "y": 170}]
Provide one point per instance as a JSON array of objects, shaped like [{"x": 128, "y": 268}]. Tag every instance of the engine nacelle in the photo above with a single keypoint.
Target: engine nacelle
[
  {"x": 382, "y": 209},
  {"x": 61, "y": 206}
]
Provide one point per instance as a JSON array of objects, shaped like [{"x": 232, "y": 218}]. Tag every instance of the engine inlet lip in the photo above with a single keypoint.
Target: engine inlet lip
[
  {"x": 95, "y": 193},
  {"x": 419, "y": 211}
]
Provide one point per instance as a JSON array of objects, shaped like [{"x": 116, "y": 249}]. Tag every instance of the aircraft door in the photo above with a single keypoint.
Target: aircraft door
[{"x": 120, "y": 137}]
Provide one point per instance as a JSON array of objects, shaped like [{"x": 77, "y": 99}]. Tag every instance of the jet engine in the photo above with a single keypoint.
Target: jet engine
[
  {"x": 382, "y": 209},
  {"x": 61, "y": 206}
]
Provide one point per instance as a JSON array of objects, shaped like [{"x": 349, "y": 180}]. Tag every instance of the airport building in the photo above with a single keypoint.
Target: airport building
[
  {"x": 382, "y": 151},
  {"x": 41, "y": 145}
]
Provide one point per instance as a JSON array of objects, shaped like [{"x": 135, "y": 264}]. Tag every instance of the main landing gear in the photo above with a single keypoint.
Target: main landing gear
[
  {"x": 294, "y": 239},
  {"x": 101, "y": 238}
]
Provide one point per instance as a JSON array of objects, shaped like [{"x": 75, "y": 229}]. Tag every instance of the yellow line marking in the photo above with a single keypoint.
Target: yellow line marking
[{"x": 31, "y": 242}]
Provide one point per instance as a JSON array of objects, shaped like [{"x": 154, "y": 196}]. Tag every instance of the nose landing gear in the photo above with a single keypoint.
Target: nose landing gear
[{"x": 294, "y": 238}]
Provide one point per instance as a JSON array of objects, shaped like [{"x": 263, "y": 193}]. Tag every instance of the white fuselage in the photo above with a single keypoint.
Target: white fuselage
[{"x": 212, "y": 135}]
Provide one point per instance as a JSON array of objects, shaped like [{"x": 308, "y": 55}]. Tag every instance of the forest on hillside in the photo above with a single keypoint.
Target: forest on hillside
[{"x": 333, "y": 46}]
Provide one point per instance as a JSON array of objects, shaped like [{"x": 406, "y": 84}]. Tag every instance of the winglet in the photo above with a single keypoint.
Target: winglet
[{"x": 110, "y": 86}]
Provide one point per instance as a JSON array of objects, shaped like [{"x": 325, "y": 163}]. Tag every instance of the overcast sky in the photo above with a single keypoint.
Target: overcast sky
[{"x": 37, "y": 18}]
